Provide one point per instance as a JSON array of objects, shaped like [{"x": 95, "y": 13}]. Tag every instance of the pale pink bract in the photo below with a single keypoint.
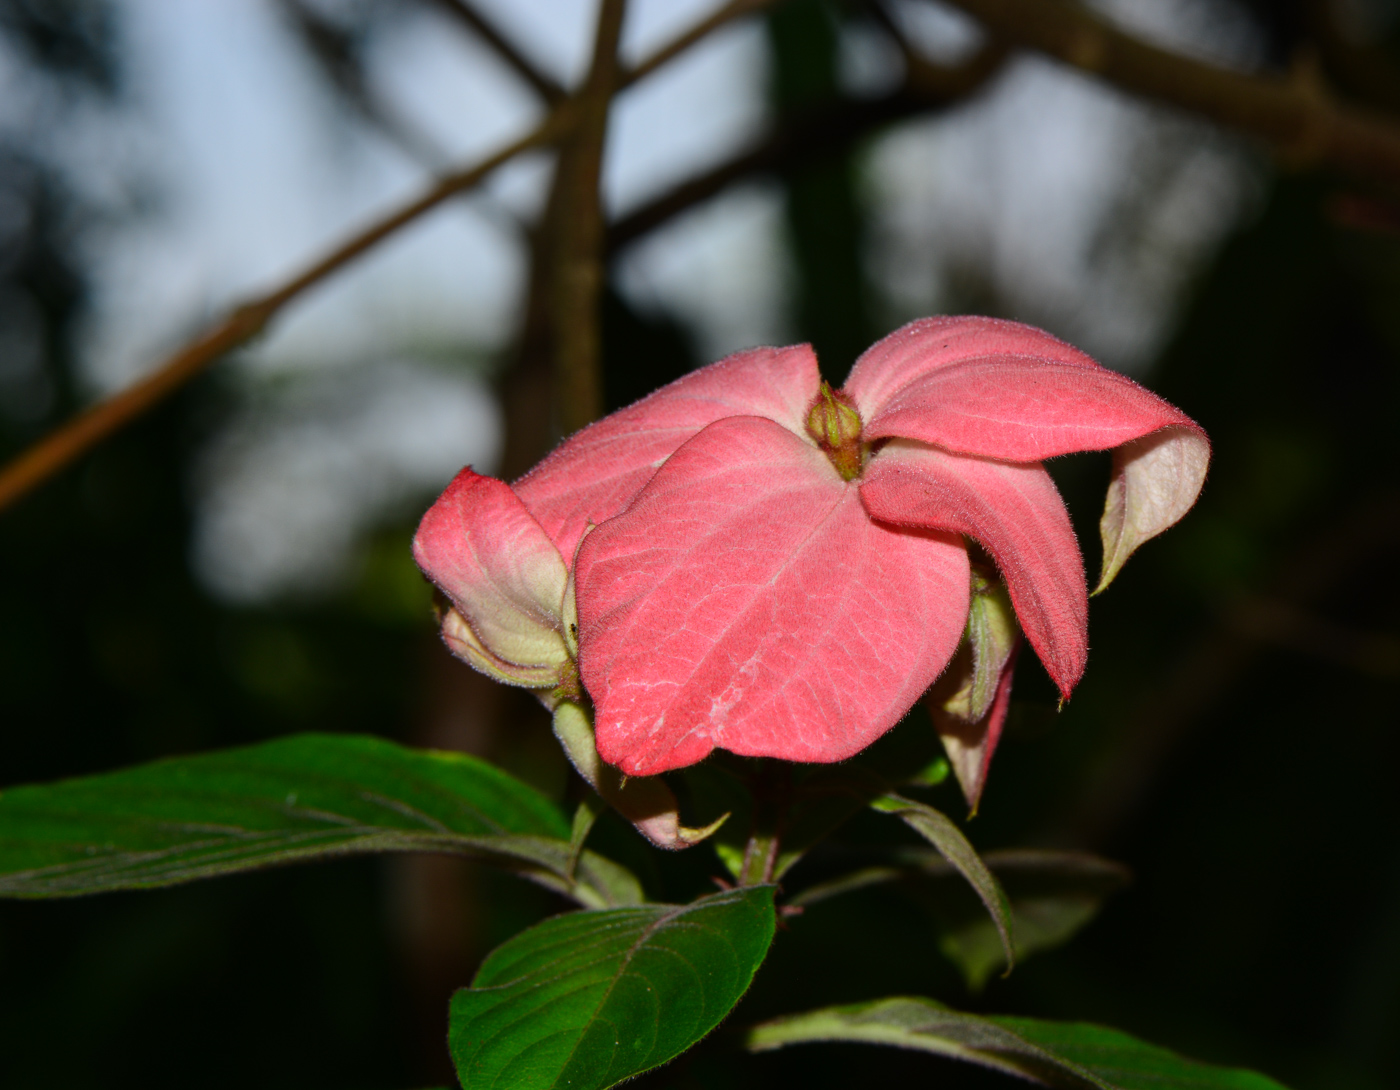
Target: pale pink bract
[{"x": 736, "y": 591}]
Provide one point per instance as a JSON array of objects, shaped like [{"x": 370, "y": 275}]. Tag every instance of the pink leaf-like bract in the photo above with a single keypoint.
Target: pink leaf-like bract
[
  {"x": 1015, "y": 512},
  {"x": 912, "y": 352},
  {"x": 970, "y": 746},
  {"x": 596, "y": 473},
  {"x": 747, "y": 601},
  {"x": 505, "y": 578}
]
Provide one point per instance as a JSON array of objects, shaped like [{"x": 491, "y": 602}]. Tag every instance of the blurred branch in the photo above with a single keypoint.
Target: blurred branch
[
  {"x": 1285, "y": 625},
  {"x": 88, "y": 428},
  {"x": 727, "y": 13},
  {"x": 337, "y": 53},
  {"x": 1366, "y": 73},
  {"x": 77, "y": 436},
  {"x": 1164, "y": 718},
  {"x": 576, "y": 257},
  {"x": 819, "y": 133},
  {"x": 544, "y": 85},
  {"x": 1296, "y": 115}
]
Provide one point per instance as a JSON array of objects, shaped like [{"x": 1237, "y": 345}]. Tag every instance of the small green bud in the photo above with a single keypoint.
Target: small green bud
[{"x": 836, "y": 426}]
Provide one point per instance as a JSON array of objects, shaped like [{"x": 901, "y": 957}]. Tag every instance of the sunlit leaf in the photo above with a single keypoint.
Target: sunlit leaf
[
  {"x": 287, "y": 801},
  {"x": 1071, "y": 1055},
  {"x": 588, "y": 999}
]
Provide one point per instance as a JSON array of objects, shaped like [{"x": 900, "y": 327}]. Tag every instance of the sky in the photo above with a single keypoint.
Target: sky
[{"x": 229, "y": 162}]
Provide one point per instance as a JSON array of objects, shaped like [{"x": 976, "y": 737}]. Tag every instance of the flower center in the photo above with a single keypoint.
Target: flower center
[{"x": 835, "y": 424}]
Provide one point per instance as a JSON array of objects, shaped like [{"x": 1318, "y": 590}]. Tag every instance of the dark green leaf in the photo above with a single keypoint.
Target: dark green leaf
[
  {"x": 940, "y": 831},
  {"x": 1052, "y": 895},
  {"x": 1073, "y": 1055},
  {"x": 591, "y": 998},
  {"x": 286, "y": 801}
]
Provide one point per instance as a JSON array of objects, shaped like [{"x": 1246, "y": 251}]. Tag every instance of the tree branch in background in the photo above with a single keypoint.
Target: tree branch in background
[
  {"x": 726, "y": 14},
  {"x": 1364, "y": 72},
  {"x": 337, "y": 52},
  {"x": 77, "y": 436},
  {"x": 90, "y": 427},
  {"x": 1165, "y": 717},
  {"x": 544, "y": 85},
  {"x": 820, "y": 133},
  {"x": 1295, "y": 115},
  {"x": 575, "y": 252}
]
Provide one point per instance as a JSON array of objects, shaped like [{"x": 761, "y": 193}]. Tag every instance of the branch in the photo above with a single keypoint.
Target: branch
[
  {"x": 90, "y": 427},
  {"x": 817, "y": 134},
  {"x": 1296, "y": 116},
  {"x": 337, "y": 53},
  {"x": 1167, "y": 713},
  {"x": 1364, "y": 72},
  {"x": 75, "y": 437},
  {"x": 716, "y": 19},
  {"x": 544, "y": 85},
  {"x": 575, "y": 258}
]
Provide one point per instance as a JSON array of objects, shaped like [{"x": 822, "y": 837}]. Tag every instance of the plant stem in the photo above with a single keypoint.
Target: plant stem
[{"x": 575, "y": 273}]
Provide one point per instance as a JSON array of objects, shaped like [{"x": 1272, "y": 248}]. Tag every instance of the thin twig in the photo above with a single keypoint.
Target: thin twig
[
  {"x": 337, "y": 53},
  {"x": 576, "y": 253},
  {"x": 1297, "y": 116},
  {"x": 88, "y": 428},
  {"x": 733, "y": 10},
  {"x": 544, "y": 85},
  {"x": 815, "y": 135},
  {"x": 1168, "y": 712}
]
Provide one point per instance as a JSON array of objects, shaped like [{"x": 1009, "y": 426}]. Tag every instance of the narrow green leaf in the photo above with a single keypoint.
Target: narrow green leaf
[
  {"x": 1052, "y": 896},
  {"x": 286, "y": 801},
  {"x": 588, "y": 999},
  {"x": 584, "y": 818},
  {"x": 1072, "y": 1055},
  {"x": 940, "y": 831}
]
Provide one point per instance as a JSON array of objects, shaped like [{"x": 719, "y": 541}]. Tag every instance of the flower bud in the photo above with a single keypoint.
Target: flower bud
[
  {"x": 835, "y": 424},
  {"x": 969, "y": 702}
]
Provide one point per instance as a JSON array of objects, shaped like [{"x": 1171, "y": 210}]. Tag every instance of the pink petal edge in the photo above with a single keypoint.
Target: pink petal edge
[
  {"x": 970, "y": 746},
  {"x": 1015, "y": 512},
  {"x": 504, "y": 576},
  {"x": 596, "y": 473},
  {"x": 916, "y": 350}
]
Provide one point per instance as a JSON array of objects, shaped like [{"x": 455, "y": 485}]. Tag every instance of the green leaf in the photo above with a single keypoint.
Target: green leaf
[
  {"x": 1052, "y": 896},
  {"x": 938, "y": 829},
  {"x": 291, "y": 800},
  {"x": 1073, "y": 1055},
  {"x": 588, "y": 999}
]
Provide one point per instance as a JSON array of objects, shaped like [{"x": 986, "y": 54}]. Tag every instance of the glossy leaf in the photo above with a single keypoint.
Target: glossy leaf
[
  {"x": 588, "y": 999},
  {"x": 940, "y": 831},
  {"x": 1073, "y": 1055},
  {"x": 288, "y": 801}
]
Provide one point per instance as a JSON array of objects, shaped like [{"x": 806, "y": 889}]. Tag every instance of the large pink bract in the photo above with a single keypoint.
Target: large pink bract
[{"x": 736, "y": 591}]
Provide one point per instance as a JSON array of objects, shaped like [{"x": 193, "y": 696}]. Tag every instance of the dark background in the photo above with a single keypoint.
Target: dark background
[{"x": 1234, "y": 740}]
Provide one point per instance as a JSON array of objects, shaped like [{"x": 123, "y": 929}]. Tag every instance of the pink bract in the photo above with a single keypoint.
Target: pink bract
[{"x": 737, "y": 590}]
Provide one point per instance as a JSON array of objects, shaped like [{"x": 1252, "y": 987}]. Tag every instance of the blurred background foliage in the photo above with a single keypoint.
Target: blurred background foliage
[{"x": 1234, "y": 741}]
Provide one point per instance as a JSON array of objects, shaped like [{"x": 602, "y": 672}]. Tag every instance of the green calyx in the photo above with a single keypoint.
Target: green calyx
[{"x": 836, "y": 426}]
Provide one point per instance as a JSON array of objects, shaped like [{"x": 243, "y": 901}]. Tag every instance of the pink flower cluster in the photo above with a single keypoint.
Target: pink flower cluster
[{"x": 750, "y": 560}]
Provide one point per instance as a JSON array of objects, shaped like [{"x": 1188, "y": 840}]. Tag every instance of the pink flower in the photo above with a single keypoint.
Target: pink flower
[{"x": 750, "y": 560}]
